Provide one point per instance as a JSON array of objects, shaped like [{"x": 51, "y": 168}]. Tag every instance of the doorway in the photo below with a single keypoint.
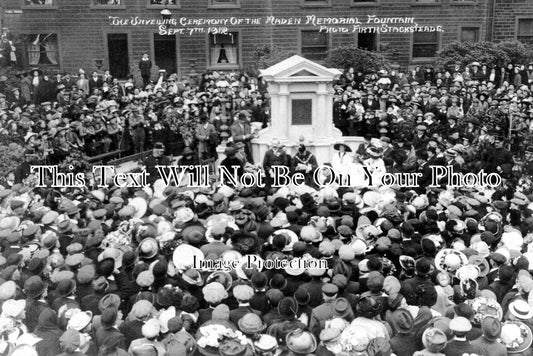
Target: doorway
[
  {"x": 117, "y": 48},
  {"x": 367, "y": 41},
  {"x": 165, "y": 53}
]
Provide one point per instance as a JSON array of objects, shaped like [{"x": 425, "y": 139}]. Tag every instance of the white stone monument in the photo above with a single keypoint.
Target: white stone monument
[{"x": 301, "y": 105}]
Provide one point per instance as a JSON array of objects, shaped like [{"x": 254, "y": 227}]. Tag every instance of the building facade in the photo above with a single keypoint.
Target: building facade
[{"x": 113, "y": 34}]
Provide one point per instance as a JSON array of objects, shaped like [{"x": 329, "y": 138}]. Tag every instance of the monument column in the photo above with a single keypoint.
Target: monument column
[
  {"x": 283, "y": 125},
  {"x": 322, "y": 123}
]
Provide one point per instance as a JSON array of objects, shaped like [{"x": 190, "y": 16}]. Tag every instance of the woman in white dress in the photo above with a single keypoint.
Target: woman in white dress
[
  {"x": 375, "y": 165},
  {"x": 342, "y": 161}
]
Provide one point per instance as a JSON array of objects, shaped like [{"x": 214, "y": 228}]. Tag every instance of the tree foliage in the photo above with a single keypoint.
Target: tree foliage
[
  {"x": 517, "y": 51},
  {"x": 496, "y": 54},
  {"x": 351, "y": 56},
  {"x": 464, "y": 53},
  {"x": 265, "y": 56}
]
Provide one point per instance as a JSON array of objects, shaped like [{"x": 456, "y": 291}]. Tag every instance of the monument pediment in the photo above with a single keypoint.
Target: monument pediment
[
  {"x": 304, "y": 73},
  {"x": 298, "y": 68}
]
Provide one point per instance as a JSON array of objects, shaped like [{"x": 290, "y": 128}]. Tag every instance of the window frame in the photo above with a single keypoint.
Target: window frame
[
  {"x": 424, "y": 59},
  {"x": 26, "y": 6},
  {"x": 460, "y": 34},
  {"x": 367, "y": 3},
  {"x": 300, "y": 41},
  {"x": 463, "y": 2},
  {"x": 517, "y": 25},
  {"x": 416, "y": 3},
  {"x": 161, "y": 7},
  {"x": 212, "y": 4},
  {"x": 95, "y": 6},
  {"x": 59, "y": 64},
  {"x": 315, "y": 3},
  {"x": 222, "y": 66}
]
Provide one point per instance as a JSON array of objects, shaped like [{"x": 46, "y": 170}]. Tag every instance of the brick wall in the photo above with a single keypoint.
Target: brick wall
[
  {"x": 506, "y": 15},
  {"x": 82, "y": 28}
]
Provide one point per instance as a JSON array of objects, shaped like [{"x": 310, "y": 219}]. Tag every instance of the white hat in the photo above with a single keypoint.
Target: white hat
[
  {"x": 165, "y": 316},
  {"x": 80, "y": 320},
  {"x": 151, "y": 328},
  {"x": 13, "y": 308},
  {"x": 513, "y": 240}
]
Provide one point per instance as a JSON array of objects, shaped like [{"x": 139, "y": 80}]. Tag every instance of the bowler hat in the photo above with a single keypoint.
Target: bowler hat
[
  {"x": 34, "y": 287},
  {"x": 288, "y": 306},
  {"x": 65, "y": 287}
]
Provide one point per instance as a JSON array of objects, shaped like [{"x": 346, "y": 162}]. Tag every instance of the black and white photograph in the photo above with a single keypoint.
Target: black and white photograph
[{"x": 266, "y": 177}]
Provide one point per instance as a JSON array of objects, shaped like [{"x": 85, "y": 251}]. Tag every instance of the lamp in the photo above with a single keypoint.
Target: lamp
[
  {"x": 98, "y": 63},
  {"x": 166, "y": 14}
]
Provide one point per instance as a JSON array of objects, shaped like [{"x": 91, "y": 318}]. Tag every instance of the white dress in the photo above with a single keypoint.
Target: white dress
[{"x": 341, "y": 162}]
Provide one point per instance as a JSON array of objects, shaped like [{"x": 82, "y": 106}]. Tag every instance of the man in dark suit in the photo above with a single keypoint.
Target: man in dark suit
[
  {"x": 243, "y": 294},
  {"x": 275, "y": 156},
  {"x": 370, "y": 104},
  {"x": 95, "y": 82},
  {"x": 145, "y": 66},
  {"x": 242, "y": 132},
  {"x": 157, "y": 158}
]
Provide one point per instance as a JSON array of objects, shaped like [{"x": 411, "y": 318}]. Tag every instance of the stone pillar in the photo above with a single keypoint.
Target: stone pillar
[
  {"x": 323, "y": 124},
  {"x": 282, "y": 121}
]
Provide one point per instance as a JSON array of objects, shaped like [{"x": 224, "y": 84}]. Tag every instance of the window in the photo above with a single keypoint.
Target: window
[
  {"x": 525, "y": 31},
  {"x": 224, "y": 49},
  {"x": 315, "y": 3},
  {"x": 314, "y": 44},
  {"x": 39, "y": 2},
  {"x": 43, "y": 49},
  {"x": 107, "y": 2},
  {"x": 224, "y": 4},
  {"x": 163, "y": 2},
  {"x": 425, "y": 44},
  {"x": 469, "y": 34}
]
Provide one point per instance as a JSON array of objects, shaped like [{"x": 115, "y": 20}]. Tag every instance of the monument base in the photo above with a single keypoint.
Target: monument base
[{"x": 321, "y": 147}]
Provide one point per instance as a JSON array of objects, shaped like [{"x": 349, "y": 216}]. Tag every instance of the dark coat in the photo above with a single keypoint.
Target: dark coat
[
  {"x": 403, "y": 344},
  {"x": 145, "y": 67},
  {"x": 458, "y": 348},
  {"x": 34, "y": 308},
  {"x": 49, "y": 331},
  {"x": 236, "y": 314},
  {"x": 131, "y": 330},
  {"x": 110, "y": 337},
  {"x": 314, "y": 288}
]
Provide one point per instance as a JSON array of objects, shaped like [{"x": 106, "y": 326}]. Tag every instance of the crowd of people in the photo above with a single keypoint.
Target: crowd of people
[{"x": 408, "y": 270}]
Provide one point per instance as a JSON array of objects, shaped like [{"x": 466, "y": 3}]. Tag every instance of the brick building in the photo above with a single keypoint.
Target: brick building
[
  {"x": 72, "y": 34},
  {"x": 513, "y": 19}
]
